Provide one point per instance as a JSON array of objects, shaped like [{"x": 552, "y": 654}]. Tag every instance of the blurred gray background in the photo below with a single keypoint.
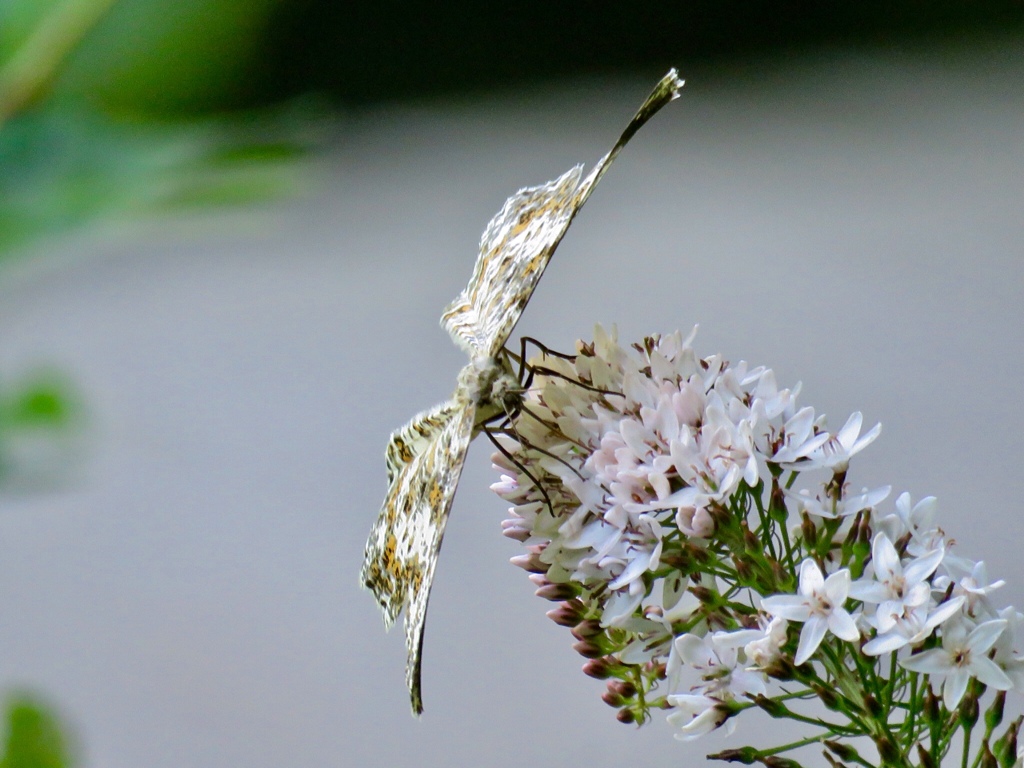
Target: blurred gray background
[{"x": 188, "y": 595}]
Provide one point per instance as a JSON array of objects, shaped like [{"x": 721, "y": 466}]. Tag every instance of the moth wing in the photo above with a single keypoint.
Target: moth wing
[
  {"x": 519, "y": 241},
  {"x": 425, "y": 459},
  {"x": 385, "y": 569},
  {"x": 434, "y": 490},
  {"x": 409, "y": 441},
  {"x": 514, "y": 250}
]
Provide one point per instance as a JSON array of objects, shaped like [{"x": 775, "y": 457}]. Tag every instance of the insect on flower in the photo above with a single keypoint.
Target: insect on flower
[{"x": 425, "y": 457}]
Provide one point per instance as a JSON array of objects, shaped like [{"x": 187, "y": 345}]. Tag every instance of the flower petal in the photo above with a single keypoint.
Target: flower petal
[
  {"x": 842, "y": 625},
  {"x": 810, "y": 638}
]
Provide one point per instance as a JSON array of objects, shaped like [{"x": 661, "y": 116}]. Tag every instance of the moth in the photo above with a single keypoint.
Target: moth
[{"x": 425, "y": 457}]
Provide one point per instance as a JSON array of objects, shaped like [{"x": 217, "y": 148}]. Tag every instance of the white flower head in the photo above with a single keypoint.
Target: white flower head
[
  {"x": 894, "y": 589},
  {"x": 716, "y": 659},
  {"x": 971, "y": 581},
  {"x": 827, "y": 506},
  {"x": 819, "y": 605},
  {"x": 835, "y": 453},
  {"x": 912, "y": 626},
  {"x": 767, "y": 648},
  {"x": 961, "y": 657},
  {"x": 695, "y": 715}
]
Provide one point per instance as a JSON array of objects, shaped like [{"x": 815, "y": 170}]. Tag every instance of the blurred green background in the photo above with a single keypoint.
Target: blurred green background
[
  {"x": 174, "y": 56},
  {"x": 124, "y": 107}
]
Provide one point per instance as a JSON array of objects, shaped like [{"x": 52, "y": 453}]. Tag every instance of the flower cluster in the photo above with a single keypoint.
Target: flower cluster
[{"x": 695, "y": 527}]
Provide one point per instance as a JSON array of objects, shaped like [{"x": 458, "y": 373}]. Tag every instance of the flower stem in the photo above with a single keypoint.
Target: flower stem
[{"x": 36, "y": 60}]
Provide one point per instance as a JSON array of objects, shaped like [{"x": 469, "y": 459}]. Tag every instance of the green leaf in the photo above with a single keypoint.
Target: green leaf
[
  {"x": 41, "y": 419},
  {"x": 42, "y": 404},
  {"x": 34, "y": 737},
  {"x": 63, "y": 167}
]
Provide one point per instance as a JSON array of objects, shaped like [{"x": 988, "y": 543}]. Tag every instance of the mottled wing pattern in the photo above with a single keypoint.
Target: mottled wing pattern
[
  {"x": 432, "y": 487},
  {"x": 410, "y": 440},
  {"x": 385, "y": 569},
  {"x": 425, "y": 459},
  {"x": 514, "y": 250},
  {"x": 520, "y": 240}
]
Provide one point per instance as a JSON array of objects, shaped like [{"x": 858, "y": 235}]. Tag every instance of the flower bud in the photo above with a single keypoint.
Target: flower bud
[
  {"x": 751, "y": 541},
  {"x": 626, "y": 716},
  {"x": 809, "y": 531},
  {"x": 587, "y": 629},
  {"x": 678, "y": 561},
  {"x": 994, "y": 714},
  {"x": 888, "y": 751},
  {"x": 777, "y": 504},
  {"x": 623, "y": 688},
  {"x": 968, "y": 712},
  {"x": 612, "y": 699},
  {"x": 924, "y": 757},
  {"x": 699, "y": 555},
  {"x": 774, "y": 761},
  {"x": 872, "y": 707},
  {"x": 719, "y": 515},
  {"x": 1005, "y": 748},
  {"x": 657, "y": 669},
  {"x": 556, "y": 592},
  {"x": 863, "y": 545},
  {"x": 744, "y": 571},
  {"x": 932, "y": 713},
  {"x": 566, "y": 614},
  {"x": 827, "y": 695},
  {"x": 988, "y": 760},
  {"x": 781, "y": 668},
  {"x": 704, "y": 594},
  {"x": 1011, "y": 751},
  {"x": 781, "y": 576},
  {"x": 515, "y": 530},
  {"x": 530, "y": 563},
  {"x": 842, "y": 751},
  {"x": 744, "y": 755},
  {"x": 588, "y": 649},
  {"x": 774, "y": 708},
  {"x": 601, "y": 668}
]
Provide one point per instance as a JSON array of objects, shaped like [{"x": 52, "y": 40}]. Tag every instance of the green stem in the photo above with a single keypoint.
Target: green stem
[
  {"x": 37, "y": 59},
  {"x": 796, "y": 744},
  {"x": 912, "y": 714},
  {"x": 851, "y": 686}
]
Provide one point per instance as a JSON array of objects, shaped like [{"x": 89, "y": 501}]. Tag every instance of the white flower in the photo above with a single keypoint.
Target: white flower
[
  {"x": 767, "y": 648},
  {"x": 819, "y": 605},
  {"x": 961, "y": 657},
  {"x": 695, "y": 715},
  {"x": 971, "y": 581},
  {"x": 836, "y": 452},
  {"x": 911, "y": 626},
  {"x": 799, "y": 439},
  {"x": 919, "y": 522},
  {"x": 825, "y": 505},
  {"x": 895, "y": 589},
  {"x": 1005, "y": 656},
  {"x": 716, "y": 659}
]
